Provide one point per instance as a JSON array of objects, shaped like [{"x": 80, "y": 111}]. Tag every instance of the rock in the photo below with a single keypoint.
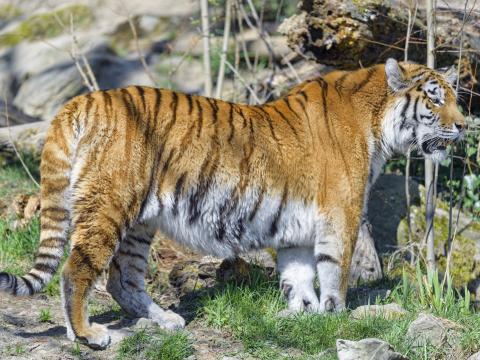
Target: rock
[
  {"x": 365, "y": 265},
  {"x": 42, "y": 95},
  {"x": 371, "y": 349},
  {"x": 475, "y": 356},
  {"x": 191, "y": 275},
  {"x": 388, "y": 311},
  {"x": 465, "y": 265},
  {"x": 430, "y": 330},
  {"x": 28, "y": 138},
  {"x": 265, "y": 258},
  {"x": 144, "y": 323}
]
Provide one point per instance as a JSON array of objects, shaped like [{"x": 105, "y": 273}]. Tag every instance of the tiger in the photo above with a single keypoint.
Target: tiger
[{"x": 224, "y": 178}]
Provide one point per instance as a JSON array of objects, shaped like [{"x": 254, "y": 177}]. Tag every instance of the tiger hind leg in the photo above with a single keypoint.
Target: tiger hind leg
[
  {"x": 93, "y": 245},
  {"x": 126, "y": 282},
  {"x": 297, "y": 274}
]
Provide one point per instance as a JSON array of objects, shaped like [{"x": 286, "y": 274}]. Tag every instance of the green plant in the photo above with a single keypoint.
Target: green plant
[
  {"x": 427, "y": 292},
  {"x": 45, "y": 316},
  {"x": 18, "y": 246},
  {"x": 159, "y": 345}
]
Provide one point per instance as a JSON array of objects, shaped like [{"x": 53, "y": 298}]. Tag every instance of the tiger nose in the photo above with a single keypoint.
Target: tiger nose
[{"x": 460, "y": 126}]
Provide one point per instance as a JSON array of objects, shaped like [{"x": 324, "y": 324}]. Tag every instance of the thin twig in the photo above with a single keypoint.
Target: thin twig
[
  {"x": 207, "y": 69},
  {"x": 237, "y": 74},
  {"x": 141, "y": 56},
  {"x": 223, "y": 56}
]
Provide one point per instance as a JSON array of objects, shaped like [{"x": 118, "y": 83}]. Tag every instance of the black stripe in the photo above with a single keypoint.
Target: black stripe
[
  {"x": 132, "y": 254},
  {"x": 173, "y": 109},
  {"x": 36, "y": 277},
  {"x": 286, "y": 289},
  {"x": 131, "y": 284},
  {"x": 258, "y": 202},
  {"x": 29, "y": 285},
  {"x": 14, "y": 284},
  {"x": 89, "y": 104},
  {"x": 326, "y": 258},
  {"x": 230, "y": 122},
  {"x": 178, "y": 191},
  {"x": 114, "y": 223},
  {"x": 404, "y": 110},
  {"x": 199, "y": 118},
  {"x": 415, "y": 110},
  {"x": 158, "y": 102},
  {"x": 285, "y": 119},
  {"x": 365, "y": 81},
  {"x": 47, "y": 256},
  {"x": 278, "y": 213},
  {"x": 46, "y": 268},
  {"x": 84, "y": 260},
  {"x": 107, "y": 98},
  {"x": 141, "y": 93},
  {"x": 190, "y": 103},
  {"x": 48, "y": 240},
  {"x": 136, "y": 268},
  {"x": 139, "y": 239},
  {"x": 339, "y": 83},
  {"x": 287, "y": 102},
  {"x": 214, "y": 106}
]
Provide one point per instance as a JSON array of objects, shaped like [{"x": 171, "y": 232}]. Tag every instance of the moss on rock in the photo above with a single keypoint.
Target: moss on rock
[
  {"x": 47, "y": 25},
  {"x": 464, "y": 267}
]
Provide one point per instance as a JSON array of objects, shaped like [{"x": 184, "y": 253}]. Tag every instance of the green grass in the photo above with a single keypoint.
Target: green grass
[
  {"x": 45, "y": 316},
  {"x": 249, "y": 313},
  {"x": 18, "y": 247},
  {"x": 159, "y": 345},
  {"x": 14, "y": 179}
]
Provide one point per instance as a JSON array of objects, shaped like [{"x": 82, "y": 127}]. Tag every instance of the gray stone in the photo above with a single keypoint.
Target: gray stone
[
  {"x": 388, "y": 311},
  {"x": 371, "y": 349},
  {"x": 431, "y": 330},
  {"x": 144, "y": 323},
  {"x": 43, "y": 95},
  {"x": 475, "y": 356}
]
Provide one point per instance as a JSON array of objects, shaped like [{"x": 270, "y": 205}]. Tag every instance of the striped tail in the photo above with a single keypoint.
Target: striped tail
[{"x": 56, "y": 167}]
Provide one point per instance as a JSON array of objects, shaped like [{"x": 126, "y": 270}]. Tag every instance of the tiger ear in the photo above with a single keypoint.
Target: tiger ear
[
  {"x": 395, "y": 77},
  {"x": 451, "y": 75}
]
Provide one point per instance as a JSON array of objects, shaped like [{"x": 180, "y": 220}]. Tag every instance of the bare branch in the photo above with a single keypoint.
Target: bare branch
[
  {"x": 206, "y": 47},
  {"x": 141, "y": 57},
  {"x": 237, "y": 74},
  {"x": 223, "y": 57}
]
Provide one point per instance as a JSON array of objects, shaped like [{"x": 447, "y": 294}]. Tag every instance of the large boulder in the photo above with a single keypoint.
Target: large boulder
[{"x": 372, "y": 349}]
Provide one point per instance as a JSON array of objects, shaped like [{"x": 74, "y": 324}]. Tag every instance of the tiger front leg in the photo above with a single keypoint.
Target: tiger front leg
[{"x": 297, "y": 274}]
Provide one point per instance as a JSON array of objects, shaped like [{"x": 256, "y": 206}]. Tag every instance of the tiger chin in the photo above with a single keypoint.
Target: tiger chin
[{"x": 223, "y": 178}]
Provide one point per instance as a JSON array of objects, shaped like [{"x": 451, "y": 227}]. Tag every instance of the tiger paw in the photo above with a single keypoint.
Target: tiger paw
[
  {"x": 300, "y": 299},
  {"x": 168, "y": 320},
  {"x": 96, "y": 336},
  {"x": 331, "y": 303}
]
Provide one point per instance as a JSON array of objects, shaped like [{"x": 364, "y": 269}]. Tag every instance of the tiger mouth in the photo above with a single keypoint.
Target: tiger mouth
[{"x": 435, "y": 144}]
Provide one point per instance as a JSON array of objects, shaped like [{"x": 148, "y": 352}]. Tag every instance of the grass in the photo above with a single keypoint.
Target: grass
[
  {"x": 159, "y": 345},
  {"x": 45, "y": 316},
  {"x": 14, "y": 179},
  {"x": 18, "y": 246},
  {"x": 249, "y": 313}
]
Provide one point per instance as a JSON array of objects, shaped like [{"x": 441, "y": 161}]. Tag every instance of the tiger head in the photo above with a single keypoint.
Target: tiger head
[{"x": 425, "y": 112}]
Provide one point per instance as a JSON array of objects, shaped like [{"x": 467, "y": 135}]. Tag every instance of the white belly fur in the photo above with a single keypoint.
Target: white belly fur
[{"x": 299, "y": 224}]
